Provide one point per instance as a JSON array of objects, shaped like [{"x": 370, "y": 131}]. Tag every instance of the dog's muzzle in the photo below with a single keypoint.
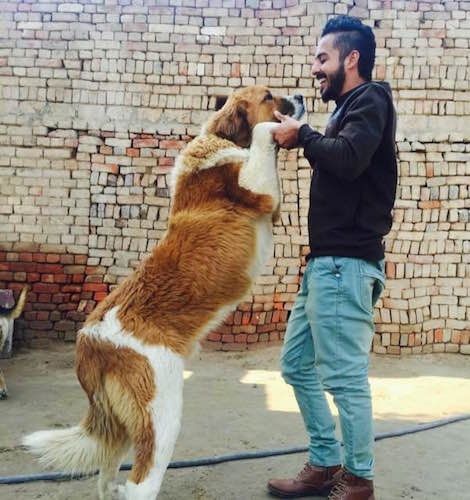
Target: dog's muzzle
[{"x": 298, "y": 102}]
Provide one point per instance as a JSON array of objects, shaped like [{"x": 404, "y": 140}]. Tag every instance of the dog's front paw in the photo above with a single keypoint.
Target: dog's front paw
[{"x": 262, "y": 133}]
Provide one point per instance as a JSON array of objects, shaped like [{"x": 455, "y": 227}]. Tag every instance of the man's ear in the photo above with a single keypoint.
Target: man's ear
[
  {"x": 352, "y": 59},
  {"x": 220, "y": 100}
]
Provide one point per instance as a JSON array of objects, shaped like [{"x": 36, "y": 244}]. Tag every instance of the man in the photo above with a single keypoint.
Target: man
[{"x": 330, "y": 328}]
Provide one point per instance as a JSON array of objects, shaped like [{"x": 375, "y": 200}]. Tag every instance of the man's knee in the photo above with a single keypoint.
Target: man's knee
[{"x": 294, "y": 371}]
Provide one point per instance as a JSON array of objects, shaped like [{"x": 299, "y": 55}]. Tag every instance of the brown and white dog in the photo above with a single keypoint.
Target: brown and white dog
[
  {"x": 6, "y": 315},
  {"x": 130, "y": 353}
]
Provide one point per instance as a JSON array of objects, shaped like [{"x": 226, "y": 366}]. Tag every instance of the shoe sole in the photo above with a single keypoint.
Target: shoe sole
[{"x": 281, "y": 494}]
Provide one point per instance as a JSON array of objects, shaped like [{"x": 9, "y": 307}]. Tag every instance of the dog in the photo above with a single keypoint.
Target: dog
[
  {"x": 130, "y": 353},
  {"x": 6, "y": 315}
]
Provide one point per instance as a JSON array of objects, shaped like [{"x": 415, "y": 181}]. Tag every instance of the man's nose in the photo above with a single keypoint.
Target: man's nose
[{"x": 315, "y": 69}]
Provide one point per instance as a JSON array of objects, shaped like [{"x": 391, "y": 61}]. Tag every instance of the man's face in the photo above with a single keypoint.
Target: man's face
[{"x": 328, "y": 69}]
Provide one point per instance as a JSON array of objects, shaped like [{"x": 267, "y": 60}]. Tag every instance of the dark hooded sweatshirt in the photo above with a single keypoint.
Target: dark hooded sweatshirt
[{"x": 354, "y": 179}]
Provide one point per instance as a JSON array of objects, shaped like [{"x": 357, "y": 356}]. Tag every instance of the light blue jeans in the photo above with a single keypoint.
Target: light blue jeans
[{"x": 326, "y": 348}]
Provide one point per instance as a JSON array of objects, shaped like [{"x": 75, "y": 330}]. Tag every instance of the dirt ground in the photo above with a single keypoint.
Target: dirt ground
[{"x": 237, "y": 402}]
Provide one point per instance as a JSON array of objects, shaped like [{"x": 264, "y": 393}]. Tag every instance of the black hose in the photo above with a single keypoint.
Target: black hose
[{"x": 61, "y": 476}]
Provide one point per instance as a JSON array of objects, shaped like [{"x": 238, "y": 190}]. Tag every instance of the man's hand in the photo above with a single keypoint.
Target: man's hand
[{"x": 286, "y": 133}]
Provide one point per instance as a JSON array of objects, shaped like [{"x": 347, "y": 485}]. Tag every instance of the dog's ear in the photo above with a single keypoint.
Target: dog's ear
[
  {"x": 220, "y": 100},
  {"x": 231, "y": 123}
]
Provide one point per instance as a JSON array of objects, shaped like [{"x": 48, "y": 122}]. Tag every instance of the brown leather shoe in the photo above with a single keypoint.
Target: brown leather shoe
[
  {"x": 311, "y": 481},
  {"x": 347, "y": 486}
]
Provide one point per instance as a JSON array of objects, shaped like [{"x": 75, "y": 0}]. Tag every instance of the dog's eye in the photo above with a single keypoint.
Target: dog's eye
[{"x": 268, "y": 97}]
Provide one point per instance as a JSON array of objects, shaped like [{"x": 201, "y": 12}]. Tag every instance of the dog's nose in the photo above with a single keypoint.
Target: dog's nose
[{"x": 299, "y": 97}]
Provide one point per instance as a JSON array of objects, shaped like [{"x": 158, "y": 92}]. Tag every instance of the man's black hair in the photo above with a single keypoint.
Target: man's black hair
[{"x": 352, "y": 34}]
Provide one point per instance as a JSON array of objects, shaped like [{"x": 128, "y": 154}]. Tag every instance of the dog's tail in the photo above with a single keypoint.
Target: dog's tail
[
  {"x": 70, "y": 450},
  {"x": 81, "y": 449},
  {"x": 17, "y": 309}
]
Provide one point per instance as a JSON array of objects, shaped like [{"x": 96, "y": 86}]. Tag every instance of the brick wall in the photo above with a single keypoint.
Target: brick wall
[{"x": 98, "y": 97}]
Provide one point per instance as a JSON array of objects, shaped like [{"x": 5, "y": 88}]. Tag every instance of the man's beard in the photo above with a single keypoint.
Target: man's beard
[{"x": 335, "y": 84}]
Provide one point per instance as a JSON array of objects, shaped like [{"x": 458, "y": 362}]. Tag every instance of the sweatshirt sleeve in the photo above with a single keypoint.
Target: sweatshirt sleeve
[{"x": 348, "y": 154}]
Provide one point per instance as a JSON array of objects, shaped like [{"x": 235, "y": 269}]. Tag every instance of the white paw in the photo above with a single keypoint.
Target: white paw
[{"x": 262, "y": 133}]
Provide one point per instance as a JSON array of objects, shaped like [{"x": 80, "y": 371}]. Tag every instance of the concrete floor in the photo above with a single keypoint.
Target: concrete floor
[{"x": 237, "y": 402}]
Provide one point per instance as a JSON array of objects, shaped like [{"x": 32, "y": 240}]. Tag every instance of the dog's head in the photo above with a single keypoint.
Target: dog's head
[{"x": 247, "y": 107}]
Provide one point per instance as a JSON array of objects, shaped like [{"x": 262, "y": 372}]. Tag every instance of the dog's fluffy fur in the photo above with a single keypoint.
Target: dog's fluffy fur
[
  {"x": 6, "y": 315},
  {"x": 130, "y": 353}
]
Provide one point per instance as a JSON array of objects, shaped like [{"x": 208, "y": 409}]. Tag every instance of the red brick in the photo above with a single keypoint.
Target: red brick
[
  {"x": 67, "y": 258},
  {"x": 52, "y": 258},
  {"x": 45, "y": 288},
  {"x": 27, "y": 267},
  {"x": 145, "y": 143},
  {"x": 59, "y": 298},
  {"x": 40, "y": 325},
  {"x": 165, "y": 144},
  {"x": 25, "y": 257},
  {"x": 49, "y": 268},
  {"x": 265, "y": 328},
  {"x": 246, "y": 318},
  {"x": 166, "y": 162},
  {"x": 95, "y": 287},
  {"x": 62, "y": 278},
  {"x": 39, "y": 257},
  {"x": 110, "y": 168},
  {"x": 132, "y": 152},
  {"x": 99, "y": 296},
  {"x": 273, "y": 336},
  {"x": 429, "y": 204},
  {"x": 66, "y": 306},
  {"x": 237, "y": 318},
  {"x": 390, "y": 270},
  {"x": 241, "y": 338},
  {"x": 74, "y": 269},
  {"x": 215, "y": 337},
  {"x": 94, "y": 278}
]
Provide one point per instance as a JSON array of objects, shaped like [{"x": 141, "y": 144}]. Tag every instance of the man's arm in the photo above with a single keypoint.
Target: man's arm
[{"x": 347, "y": 155}]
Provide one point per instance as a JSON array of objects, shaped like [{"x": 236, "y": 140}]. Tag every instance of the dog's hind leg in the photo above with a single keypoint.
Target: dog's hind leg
[
  {"x": 155, "y": 437},
  {"x": 107, "y": 479}
]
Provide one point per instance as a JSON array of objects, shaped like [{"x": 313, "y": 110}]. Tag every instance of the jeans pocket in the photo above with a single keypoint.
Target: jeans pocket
[{"x": 373, "y": 282}]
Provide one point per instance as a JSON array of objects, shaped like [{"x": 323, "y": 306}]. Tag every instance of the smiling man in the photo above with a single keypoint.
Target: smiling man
[{"x": 331, "y": 326}]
